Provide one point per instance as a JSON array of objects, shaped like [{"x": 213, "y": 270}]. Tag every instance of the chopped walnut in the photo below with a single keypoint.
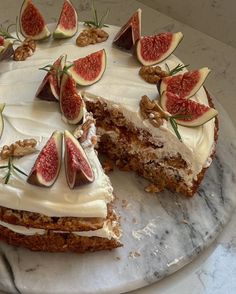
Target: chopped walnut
[
  {"x": 86, "y": 133},
  {"x": 152, "y": 74},
  {"x": 91, "y": 36},
  {"x": 151, "y": 110},
  {"x": 107, "y": 166},
  {"x": 19, "y": 148},
  {"x": 151, "y": 188},
  {"x": 25, "y": 50}
]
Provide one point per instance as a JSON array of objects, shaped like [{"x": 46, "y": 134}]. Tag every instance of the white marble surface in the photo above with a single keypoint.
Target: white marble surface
[{"x": 214, "y": 270}]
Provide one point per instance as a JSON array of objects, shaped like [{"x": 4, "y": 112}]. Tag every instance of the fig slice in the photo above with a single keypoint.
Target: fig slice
[
  {"x": 77, "y": 167},
  {"x": 67, "y": 25},
  {"x": 186, "y": 111},
  {"x": 89, "y": 69},
  {"x": 32, "y": 23},
  {"x": 6, "y": 48},
  {"x": 71, "y": 103},
  {"x": 2, "y": 106},
  {"x": 49, "y": 89},
  {"x": 129, "y": 33},
  {"x": 151, "y": 50},
  {"x": 47, "y": 165},
  {"x": 185, "y": 85}
]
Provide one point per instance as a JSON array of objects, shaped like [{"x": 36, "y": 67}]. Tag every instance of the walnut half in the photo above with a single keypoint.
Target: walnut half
[
  {"x": 25, "y": 50},
  {"x": 151, "y": 110},
  {"x": 91, "y": 36},
  {"x": 19, "y": 148},
  {"x": 152, "y": 74}
]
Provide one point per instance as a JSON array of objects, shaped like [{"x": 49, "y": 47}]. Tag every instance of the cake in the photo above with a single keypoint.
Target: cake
[{"x": 59, "y": 219}]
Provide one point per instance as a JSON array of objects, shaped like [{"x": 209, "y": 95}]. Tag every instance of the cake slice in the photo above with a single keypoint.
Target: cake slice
[{"x": 59, "y": 219}]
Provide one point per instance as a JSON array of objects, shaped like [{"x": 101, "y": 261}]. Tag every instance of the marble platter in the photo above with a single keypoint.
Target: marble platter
[{"x": 161, "y": 233}]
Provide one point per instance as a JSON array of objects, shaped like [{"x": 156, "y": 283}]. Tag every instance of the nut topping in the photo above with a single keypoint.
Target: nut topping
[
  {"x": 91, "y": 36},
  {"x": 19, "y": 148},
  {"x": 25, "y": 50},
  {"x": 86, "y": 133},
  {"x": 152, "y": 74},
  {"x": 152, "y": 111}
]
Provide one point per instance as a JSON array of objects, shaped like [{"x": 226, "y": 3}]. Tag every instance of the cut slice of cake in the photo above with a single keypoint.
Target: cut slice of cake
[{"x": 59, "y": 219}]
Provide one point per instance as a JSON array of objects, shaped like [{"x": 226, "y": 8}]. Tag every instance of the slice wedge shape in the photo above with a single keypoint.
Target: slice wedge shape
[
  {"x": 188, "y": 112},
  {"x": 185, "y": 85},
  {"x": 89, "y": 69},
  {"x": 49, "y": 89},
  {"x": 77, "y": 167},
  {"x": 71, "y": 103},
  {"x": 32, "y": 23},
  {"x": 151, "y": 50},
  {"x": 47, "y": 165},
  {"x": 2, "y": 106},
  {"x": 67, "y": 25},
  {"x": 129, "y": 33}
]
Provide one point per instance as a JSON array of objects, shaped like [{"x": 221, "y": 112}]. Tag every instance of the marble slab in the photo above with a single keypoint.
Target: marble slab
[{"x": 161, "y": 233}]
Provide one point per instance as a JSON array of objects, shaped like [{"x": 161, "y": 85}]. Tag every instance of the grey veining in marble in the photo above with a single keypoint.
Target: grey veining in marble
[{"x": 161, "y": 233}]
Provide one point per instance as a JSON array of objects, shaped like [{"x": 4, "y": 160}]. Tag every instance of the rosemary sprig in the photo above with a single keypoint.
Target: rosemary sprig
[
  {"x": 174, "y": 124},
  {"x": 175, "y": 127},
  {"x": 53, "y": 70},
  {"x": 96, "y": 23},
  {"x": 176, "y": 69},
  {"x": 11, "y": 167},
  {"x": 5, "y": 32}
]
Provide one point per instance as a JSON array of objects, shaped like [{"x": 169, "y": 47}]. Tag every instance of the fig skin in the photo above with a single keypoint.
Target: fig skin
[
  {"x": 48, "y": 90},
  {"x": 79, "y": 79},
  {"x": 7, "y": 52},
  {"x": 45, "y": 33},
  {"x": 2, "y": 106},
  {"x": 61, "y": 32},
  {"x": 79, "y": 176},
  {"x": 69, "y": 83},
  {"x": 34, "y": 177},
  {"x": 129, "y": 33}
]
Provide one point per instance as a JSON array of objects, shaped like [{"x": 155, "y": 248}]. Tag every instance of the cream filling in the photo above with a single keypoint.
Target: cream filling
[
  {"x": 105, "y": 232},
  {"x": 26, "y": 116}
]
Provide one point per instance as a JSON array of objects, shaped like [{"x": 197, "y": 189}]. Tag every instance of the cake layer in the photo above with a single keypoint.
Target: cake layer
[
  {"x": 40, "y": 221},
  {"x": 58, "y": 242},
  {"x": 107, "y": 230}
]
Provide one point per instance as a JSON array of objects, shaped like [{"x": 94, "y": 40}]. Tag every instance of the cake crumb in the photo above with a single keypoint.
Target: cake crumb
[
  {"x": 125, "y": 203},
  {"x": 134, "y": 254},
  {"x": 184, "y": 221},
  {"x": 134, "y": 220},
  {"x": 152, "y": 188},
  {"x": 107, "y": 166},
  {"x": 117, "y": 258}
]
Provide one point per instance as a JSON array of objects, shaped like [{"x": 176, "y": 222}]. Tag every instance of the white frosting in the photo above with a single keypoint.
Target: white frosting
[
  {"x": 25, "y": 116},
  {"x": 105, "y": 232}
]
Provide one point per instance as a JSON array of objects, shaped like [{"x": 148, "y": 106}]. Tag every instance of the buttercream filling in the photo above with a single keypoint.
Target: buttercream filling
[
  {"x": 107, "y": 231},
  {"x": 25, "y": 116}
]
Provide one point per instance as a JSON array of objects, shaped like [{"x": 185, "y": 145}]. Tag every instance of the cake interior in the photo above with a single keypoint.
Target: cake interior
[{"x": 133, "y": 149}]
